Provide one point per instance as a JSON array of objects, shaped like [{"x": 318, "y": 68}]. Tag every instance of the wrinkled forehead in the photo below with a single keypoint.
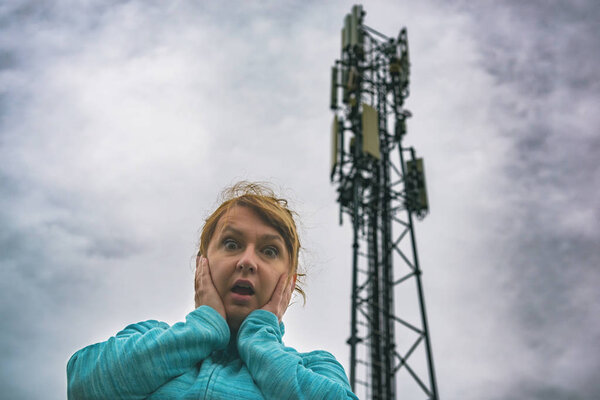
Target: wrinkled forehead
[{"x": 245, "y": 217}]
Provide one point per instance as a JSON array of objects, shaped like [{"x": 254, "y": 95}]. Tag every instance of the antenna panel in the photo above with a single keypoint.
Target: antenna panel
[{"x": 370, "y": 130}]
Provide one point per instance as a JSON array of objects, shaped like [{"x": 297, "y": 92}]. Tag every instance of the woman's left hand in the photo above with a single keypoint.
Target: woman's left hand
[{"x": 280, "y": 299}]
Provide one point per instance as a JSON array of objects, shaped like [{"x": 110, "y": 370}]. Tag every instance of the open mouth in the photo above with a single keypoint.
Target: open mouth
[{"x": 243, "y": 288}]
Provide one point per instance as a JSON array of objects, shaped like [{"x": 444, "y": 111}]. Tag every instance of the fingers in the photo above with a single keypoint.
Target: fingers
[
  {"x": 281, "y": 286},
  {"x": 280, "y": 299},
  {"x": 203, "y": 280},
  {"x": 279, "y": 292},
  {"x": 197, "y": 275},
  {"x": 205, "y": 283},
  {"x": 291, "y": 289},
  {"x": 200, "y": 281},
  {"x": 288, "y": 294},
  {"x": 206, "y": 291}
]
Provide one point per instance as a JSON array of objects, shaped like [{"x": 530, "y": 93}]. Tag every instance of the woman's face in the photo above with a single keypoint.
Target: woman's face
[{"x": 246, "y": 258}]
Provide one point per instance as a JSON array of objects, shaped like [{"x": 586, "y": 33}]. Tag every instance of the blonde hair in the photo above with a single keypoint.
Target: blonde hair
[{"x": 273, "y": 210}]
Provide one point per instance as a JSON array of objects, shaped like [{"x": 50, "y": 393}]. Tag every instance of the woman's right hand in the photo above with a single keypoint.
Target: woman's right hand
[{"x": 206, "y": 292}]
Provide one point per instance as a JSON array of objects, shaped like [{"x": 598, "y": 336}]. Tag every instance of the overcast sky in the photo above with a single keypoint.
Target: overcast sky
[{"x": 121, "y": 121}]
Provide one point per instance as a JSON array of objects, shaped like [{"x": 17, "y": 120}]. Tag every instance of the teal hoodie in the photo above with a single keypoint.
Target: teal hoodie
[{"x": 195, "y": 359}]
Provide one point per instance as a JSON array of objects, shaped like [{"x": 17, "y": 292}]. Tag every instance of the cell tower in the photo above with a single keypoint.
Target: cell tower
[{"x": 381, "y": 186}]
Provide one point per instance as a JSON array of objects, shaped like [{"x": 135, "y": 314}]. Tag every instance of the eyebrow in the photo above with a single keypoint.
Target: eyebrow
[{"x": 267, "y": 236}]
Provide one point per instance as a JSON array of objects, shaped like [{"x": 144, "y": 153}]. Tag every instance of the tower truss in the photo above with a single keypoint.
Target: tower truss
[{"x": 381, "y": 187}]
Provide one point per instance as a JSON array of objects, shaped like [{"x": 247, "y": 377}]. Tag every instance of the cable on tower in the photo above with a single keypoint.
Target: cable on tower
[{"x": 380, "y": 186}]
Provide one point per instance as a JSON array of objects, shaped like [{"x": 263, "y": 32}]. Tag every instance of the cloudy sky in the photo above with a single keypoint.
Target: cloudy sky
[{"x": 121, "y": 121}]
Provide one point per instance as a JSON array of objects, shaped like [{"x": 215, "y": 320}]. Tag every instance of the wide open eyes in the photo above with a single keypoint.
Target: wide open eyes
[
  {"x": 269, "y": 251},
  {"x": 230, "y": 244}
]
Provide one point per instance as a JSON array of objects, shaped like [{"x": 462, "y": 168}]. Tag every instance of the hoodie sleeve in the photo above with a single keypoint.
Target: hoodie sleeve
[
  {"x": 281, "y": 372},
  {"x": 144, "y": 356}
]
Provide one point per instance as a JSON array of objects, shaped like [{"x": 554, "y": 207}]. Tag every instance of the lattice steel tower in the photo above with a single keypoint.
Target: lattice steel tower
[{"x": 381, "y": 186}]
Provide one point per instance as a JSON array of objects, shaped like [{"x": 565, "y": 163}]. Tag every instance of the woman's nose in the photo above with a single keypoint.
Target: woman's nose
[{"x": 248, "y": 260}]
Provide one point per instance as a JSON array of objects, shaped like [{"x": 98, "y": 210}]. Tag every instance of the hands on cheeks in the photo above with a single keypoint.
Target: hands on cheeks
[
  {"x": 280, "y": 299},
  {"x": 206, "y": 292}
]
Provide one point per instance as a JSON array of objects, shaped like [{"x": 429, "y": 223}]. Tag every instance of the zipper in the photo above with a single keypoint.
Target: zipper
[{"x": 217, "y": 358}]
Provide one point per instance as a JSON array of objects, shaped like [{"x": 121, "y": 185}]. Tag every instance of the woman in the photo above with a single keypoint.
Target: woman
[{"x": 230, "y": 346}]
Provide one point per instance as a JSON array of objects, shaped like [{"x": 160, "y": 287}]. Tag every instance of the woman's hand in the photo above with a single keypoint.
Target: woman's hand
[
  {"x": 280, "y": 299},
  {"x": 206, "y": 292}
]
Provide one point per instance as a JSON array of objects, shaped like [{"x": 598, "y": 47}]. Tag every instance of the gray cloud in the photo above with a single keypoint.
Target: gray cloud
[
  {"x": 542, "y": 55},
  {"x": 120, "y": 121}
]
